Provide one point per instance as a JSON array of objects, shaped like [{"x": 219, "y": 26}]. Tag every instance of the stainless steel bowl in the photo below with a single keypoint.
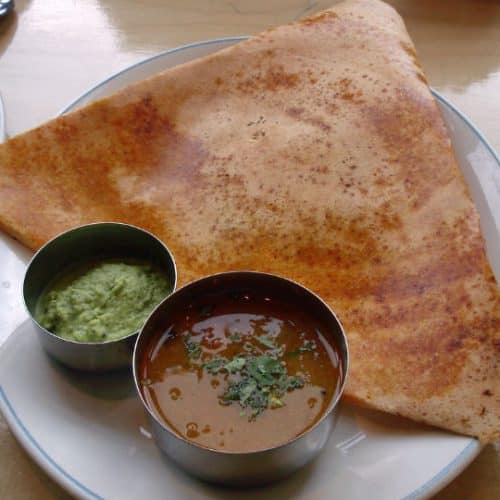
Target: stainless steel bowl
[
  {"x": 246, "y": 468},
  {"x": 80, "y": 245}
]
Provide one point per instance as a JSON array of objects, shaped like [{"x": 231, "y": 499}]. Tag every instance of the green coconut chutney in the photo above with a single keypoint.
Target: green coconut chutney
[{"x": 103, "y": 301}]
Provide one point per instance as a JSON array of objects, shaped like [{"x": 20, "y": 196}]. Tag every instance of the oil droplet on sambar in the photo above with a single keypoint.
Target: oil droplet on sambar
[
  {"x": 192, "y": 430},
  {"x": 175, "y": 393}
]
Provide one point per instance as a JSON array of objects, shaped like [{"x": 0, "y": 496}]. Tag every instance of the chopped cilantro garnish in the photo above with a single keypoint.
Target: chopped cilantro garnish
[
  {"x": 275, "y": 353},
  {"x": 250, "y": 348},
  {"x": 266, "y": 341},
  {"x": 215, "y": 365},
  {"x": 235, "y": 337},
  {"x": 294, "y": 383},
  {"x": 265, "y": 370},
  {"x": 255, "y": 378},
  {"x": 308, "y": 346},
  {"x": 193, "y": 348},
  {"x": 236, "y": 364},
  {"x": 275, "y": 401},
  {"x": 263, "y": 382},
  {"x": 246, "y": 391}
]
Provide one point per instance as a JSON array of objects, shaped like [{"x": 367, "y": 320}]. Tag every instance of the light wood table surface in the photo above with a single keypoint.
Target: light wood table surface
[{"x": 51, "y": 51}]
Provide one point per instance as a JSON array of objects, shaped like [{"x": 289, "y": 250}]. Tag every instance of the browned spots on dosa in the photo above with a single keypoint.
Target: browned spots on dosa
[
  {"x": 295, "y": 112},
  {"x": 411, "y": 301},
  {"x": 300, "y": 114},
  {"x": 65, "y": 131},
  {"x": 421, "y": 77},
  {"x": 320, "y": 18},
  {"x": 274, "y": 78},
  {"x": 496, "y": 343},
  {"x": 345, "y": 89},
  {"x": 136, "y": 144},
  {"x": 402, "y": 129},
  {"x": 410, "y": 50},
  {"x": 443, "y": 272},
  {"x": 420, "y": 360},
  {"x": 154, "y": 141},
  {"x": 277, "y": 77},
  {"x": 326, "y": 252}
]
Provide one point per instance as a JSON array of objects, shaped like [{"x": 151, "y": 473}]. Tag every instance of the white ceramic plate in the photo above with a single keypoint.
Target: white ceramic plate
[
  {"x": 2, "y": 121},
  {"x": 90, "y": 434}
]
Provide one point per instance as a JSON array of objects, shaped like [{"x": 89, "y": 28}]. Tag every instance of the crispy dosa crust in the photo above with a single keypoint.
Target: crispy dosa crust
[{"x": 315, "y": 151}]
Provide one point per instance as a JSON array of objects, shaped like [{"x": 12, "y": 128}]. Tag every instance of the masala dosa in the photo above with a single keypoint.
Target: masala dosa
[{"x": 314, "y": 151}]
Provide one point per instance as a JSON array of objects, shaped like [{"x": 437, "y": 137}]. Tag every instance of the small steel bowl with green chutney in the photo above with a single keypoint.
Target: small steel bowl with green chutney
[{"x": 90, "y": 289}]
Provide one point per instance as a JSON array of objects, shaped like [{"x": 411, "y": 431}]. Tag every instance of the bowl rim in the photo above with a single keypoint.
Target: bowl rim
[
  {"x": 327, "y": 413},
  {"x": 77, "y": 228}
]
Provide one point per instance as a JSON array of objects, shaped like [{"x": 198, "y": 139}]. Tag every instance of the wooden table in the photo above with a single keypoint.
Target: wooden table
[{"x": 53, "y": 50}]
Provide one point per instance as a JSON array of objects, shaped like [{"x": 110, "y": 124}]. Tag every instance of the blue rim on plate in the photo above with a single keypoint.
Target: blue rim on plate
[
  {"x": 41, "y": 457},
  {"x": 445, "y": 475}
]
